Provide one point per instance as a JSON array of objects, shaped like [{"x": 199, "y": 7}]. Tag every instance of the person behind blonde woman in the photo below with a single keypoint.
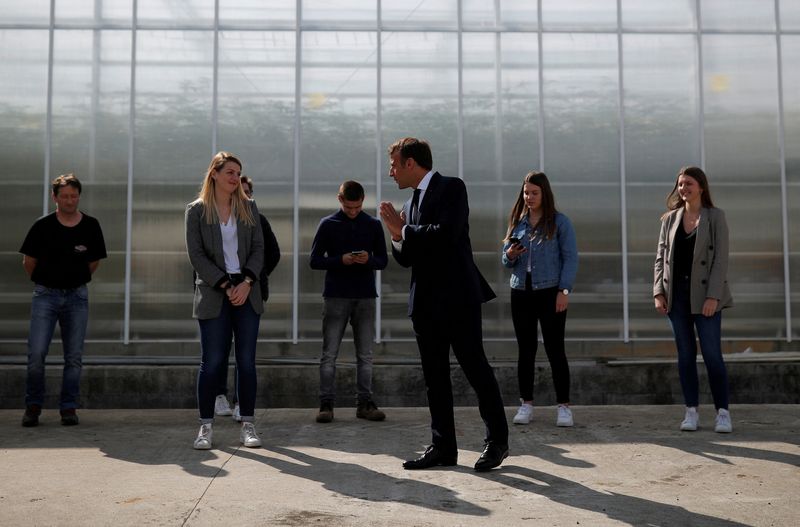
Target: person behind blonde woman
[
  {"x": 272, "y": 255},
  {"x": 225, "y": 244},
  {"x": 541, "y": 250},
  {"x": 690, "y": 286}
]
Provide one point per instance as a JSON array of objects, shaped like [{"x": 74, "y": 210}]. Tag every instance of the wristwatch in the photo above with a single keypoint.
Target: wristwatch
[
  {"x": 248, "y": 280},
  {"x": 565, "y": 292}
]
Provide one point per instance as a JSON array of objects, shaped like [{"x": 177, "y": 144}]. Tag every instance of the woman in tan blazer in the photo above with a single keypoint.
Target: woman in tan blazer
[
  {"x": 226, "y": 249},
  {"x": 690, "y": 286}
]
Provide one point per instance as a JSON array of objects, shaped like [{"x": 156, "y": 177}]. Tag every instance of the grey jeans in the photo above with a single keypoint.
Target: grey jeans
[{"x": 337, "y": 312}]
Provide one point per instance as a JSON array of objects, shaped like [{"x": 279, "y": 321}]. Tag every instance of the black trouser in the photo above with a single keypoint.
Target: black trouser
[
  {"x": 528, "y": 309},
  {"x": 463, "y": 332}
]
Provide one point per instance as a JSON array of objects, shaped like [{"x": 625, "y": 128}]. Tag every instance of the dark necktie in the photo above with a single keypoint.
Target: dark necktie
[{"x": 415, "y": 207}]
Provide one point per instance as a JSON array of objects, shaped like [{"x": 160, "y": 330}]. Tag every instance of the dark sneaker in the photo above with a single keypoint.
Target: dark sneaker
[
  {"x": 31, "y": 417},
  {"x": 367, "y": 410},
  {"x": 69, "y": 417},
  {"x": 325, "y": 414}
]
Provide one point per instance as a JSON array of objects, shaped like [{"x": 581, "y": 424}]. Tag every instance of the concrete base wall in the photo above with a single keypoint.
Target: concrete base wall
[{"x": 400, "y": 383}]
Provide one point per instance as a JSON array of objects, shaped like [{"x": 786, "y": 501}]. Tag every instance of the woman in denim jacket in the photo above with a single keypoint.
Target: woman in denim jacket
[{"x": 541, "y": 250}]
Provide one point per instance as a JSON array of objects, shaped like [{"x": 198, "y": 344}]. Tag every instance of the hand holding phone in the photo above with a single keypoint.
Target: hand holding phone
[
  {"x": 515, "y": 249},
  {"x": 356, "y": 253}
]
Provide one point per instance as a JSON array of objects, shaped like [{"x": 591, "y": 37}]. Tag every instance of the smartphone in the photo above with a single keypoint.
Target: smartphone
[
  {"x": 513, "y": 240},
  {"x": 356, "y": 253}
]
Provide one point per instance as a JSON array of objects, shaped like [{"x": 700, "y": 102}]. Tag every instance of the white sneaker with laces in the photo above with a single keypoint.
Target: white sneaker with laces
[
  {"x": 690, "y": 420},
  {"x": 723, "y": 425},
  {"x": 221, "y": 406},
  {"x": 203, "y": 440},
  {"x": 524, "y": 414},
  {"x": 237, "y": 416},
  {"x": 248, "y": 435},
  {"x": 564, "y": 416}
]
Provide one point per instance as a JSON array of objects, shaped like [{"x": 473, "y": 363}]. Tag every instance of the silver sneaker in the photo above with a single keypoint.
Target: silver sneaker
[
  {"x": 203, "y": 441},
  {"x": 248, "y": 435},
  {"x": 723, "y": 425},
  {"x": 221, "y": 406},
  {"x": 690, "y": 419},
  {"x": 237, "y": 415},
  {"x": 524, "y": 414},
  {"x": 564, "y": 416}
]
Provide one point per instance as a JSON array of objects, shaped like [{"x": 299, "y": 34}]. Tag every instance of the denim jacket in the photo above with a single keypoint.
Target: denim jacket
[{"x": 555, "y": 261}]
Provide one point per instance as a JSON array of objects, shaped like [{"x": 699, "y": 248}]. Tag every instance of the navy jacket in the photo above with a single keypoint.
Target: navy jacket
[
  {"x": 438, "y": 250},
  {"x": 336, "y": 235}
]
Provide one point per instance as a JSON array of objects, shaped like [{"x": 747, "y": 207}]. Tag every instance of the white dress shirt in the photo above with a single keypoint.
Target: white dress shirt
[{"x": 423, "y": 186}]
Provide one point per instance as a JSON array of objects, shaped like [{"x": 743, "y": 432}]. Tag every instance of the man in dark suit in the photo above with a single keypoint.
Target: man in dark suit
[{"x": 431, "y": 235}]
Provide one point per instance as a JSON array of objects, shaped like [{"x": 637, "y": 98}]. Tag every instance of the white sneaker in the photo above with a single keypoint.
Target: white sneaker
[
  {"x": 524, "y": 414},
  {"x": 564, "y": 416},
  {"x": 248, "y": 435},
  {"x": 203, "y": 441},
  {"x": 237, "y": 416},
  {"x": 724, "y": 425},
  {"x": 690, "y": 420},
  {"x": 221, "y": 406}
]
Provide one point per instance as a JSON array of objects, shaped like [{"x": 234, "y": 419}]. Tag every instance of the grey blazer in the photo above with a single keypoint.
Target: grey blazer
[
  {"x": 709, "y": 265},
  {"x": 204, "y": 245}
]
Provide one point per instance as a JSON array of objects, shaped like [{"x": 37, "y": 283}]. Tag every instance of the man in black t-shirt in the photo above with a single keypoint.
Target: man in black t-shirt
[{"x": 60, "y": 253}]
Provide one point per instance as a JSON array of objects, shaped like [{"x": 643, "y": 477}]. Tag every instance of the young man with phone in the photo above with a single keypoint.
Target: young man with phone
[{"x": 349, "y": 246}]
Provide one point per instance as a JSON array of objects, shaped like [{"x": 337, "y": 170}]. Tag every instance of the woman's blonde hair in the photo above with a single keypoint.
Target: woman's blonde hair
[{"x": 240, "y": 203}]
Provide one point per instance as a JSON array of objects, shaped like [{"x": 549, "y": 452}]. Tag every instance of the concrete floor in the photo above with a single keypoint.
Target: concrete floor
[{"x": 620, "y": 465}]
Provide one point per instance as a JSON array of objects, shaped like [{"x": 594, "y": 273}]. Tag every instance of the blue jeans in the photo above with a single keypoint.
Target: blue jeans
[
  {"x": 240, "y": 322},
  {"x": 70, "y": 308},
  {"x": 360, "y": 312},
  {"x": 708, "y": 330},
  {"x": 223, "y": 380}
]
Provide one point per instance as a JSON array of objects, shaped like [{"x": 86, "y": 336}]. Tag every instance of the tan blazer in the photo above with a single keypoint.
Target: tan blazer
[
  {"x": 709, "y": 265},
  {"x": 204, "y": 245}
]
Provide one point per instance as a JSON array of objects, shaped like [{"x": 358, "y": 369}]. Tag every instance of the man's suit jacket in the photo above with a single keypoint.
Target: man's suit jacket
[
  {"x": 204, "y": 245},
  {"x": 709, "y": 264},
  {"x": 444, "y": 277}
]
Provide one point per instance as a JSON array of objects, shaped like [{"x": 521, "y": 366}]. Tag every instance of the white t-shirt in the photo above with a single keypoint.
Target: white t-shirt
[{"x": 230, "y": 245}]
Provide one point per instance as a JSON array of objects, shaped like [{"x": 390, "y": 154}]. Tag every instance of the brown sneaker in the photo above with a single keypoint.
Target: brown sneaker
[
  {"x": 367, "y": 410},
  {"x": 31, "y": 417},
  {"x": 325, "y": 414},
  {"x": 69, "y": 417}
]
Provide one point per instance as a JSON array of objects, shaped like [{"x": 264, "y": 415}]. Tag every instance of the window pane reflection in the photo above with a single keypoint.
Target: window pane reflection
[
  {"x": 173, "y": 149},
  {"x": 338, "y": 143},
  {"x": 23, "y": 105}
]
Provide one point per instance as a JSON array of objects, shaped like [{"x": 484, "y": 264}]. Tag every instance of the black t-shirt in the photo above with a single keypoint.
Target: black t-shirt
[
  {"x": 684, "y": 252},
  {"x": 63, "y": 253}
]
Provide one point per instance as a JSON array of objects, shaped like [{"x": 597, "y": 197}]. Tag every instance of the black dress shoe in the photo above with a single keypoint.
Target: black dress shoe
[
  {"x": 433, "y": 457},
  {"x": 492, "y": 456}
]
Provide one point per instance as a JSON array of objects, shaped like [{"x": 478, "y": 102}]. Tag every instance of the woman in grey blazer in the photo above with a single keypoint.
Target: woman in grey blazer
[
  {"x": 226, "y": 249},
  {"x": 690, "y": 286}
]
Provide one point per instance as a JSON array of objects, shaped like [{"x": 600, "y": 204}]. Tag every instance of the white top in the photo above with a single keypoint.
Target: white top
[{"x": 230, "y": 245}]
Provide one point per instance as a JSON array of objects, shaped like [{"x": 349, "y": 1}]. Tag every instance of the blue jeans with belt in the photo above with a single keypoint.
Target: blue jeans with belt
[
  {"x": 70, "y": 308},
  {"x": 240, "y": 322},
  {"x": 708, "y": 330}
]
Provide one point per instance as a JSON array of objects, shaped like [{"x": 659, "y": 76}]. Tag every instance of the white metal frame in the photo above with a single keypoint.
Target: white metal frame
[{"x": 380, "y": 27}]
